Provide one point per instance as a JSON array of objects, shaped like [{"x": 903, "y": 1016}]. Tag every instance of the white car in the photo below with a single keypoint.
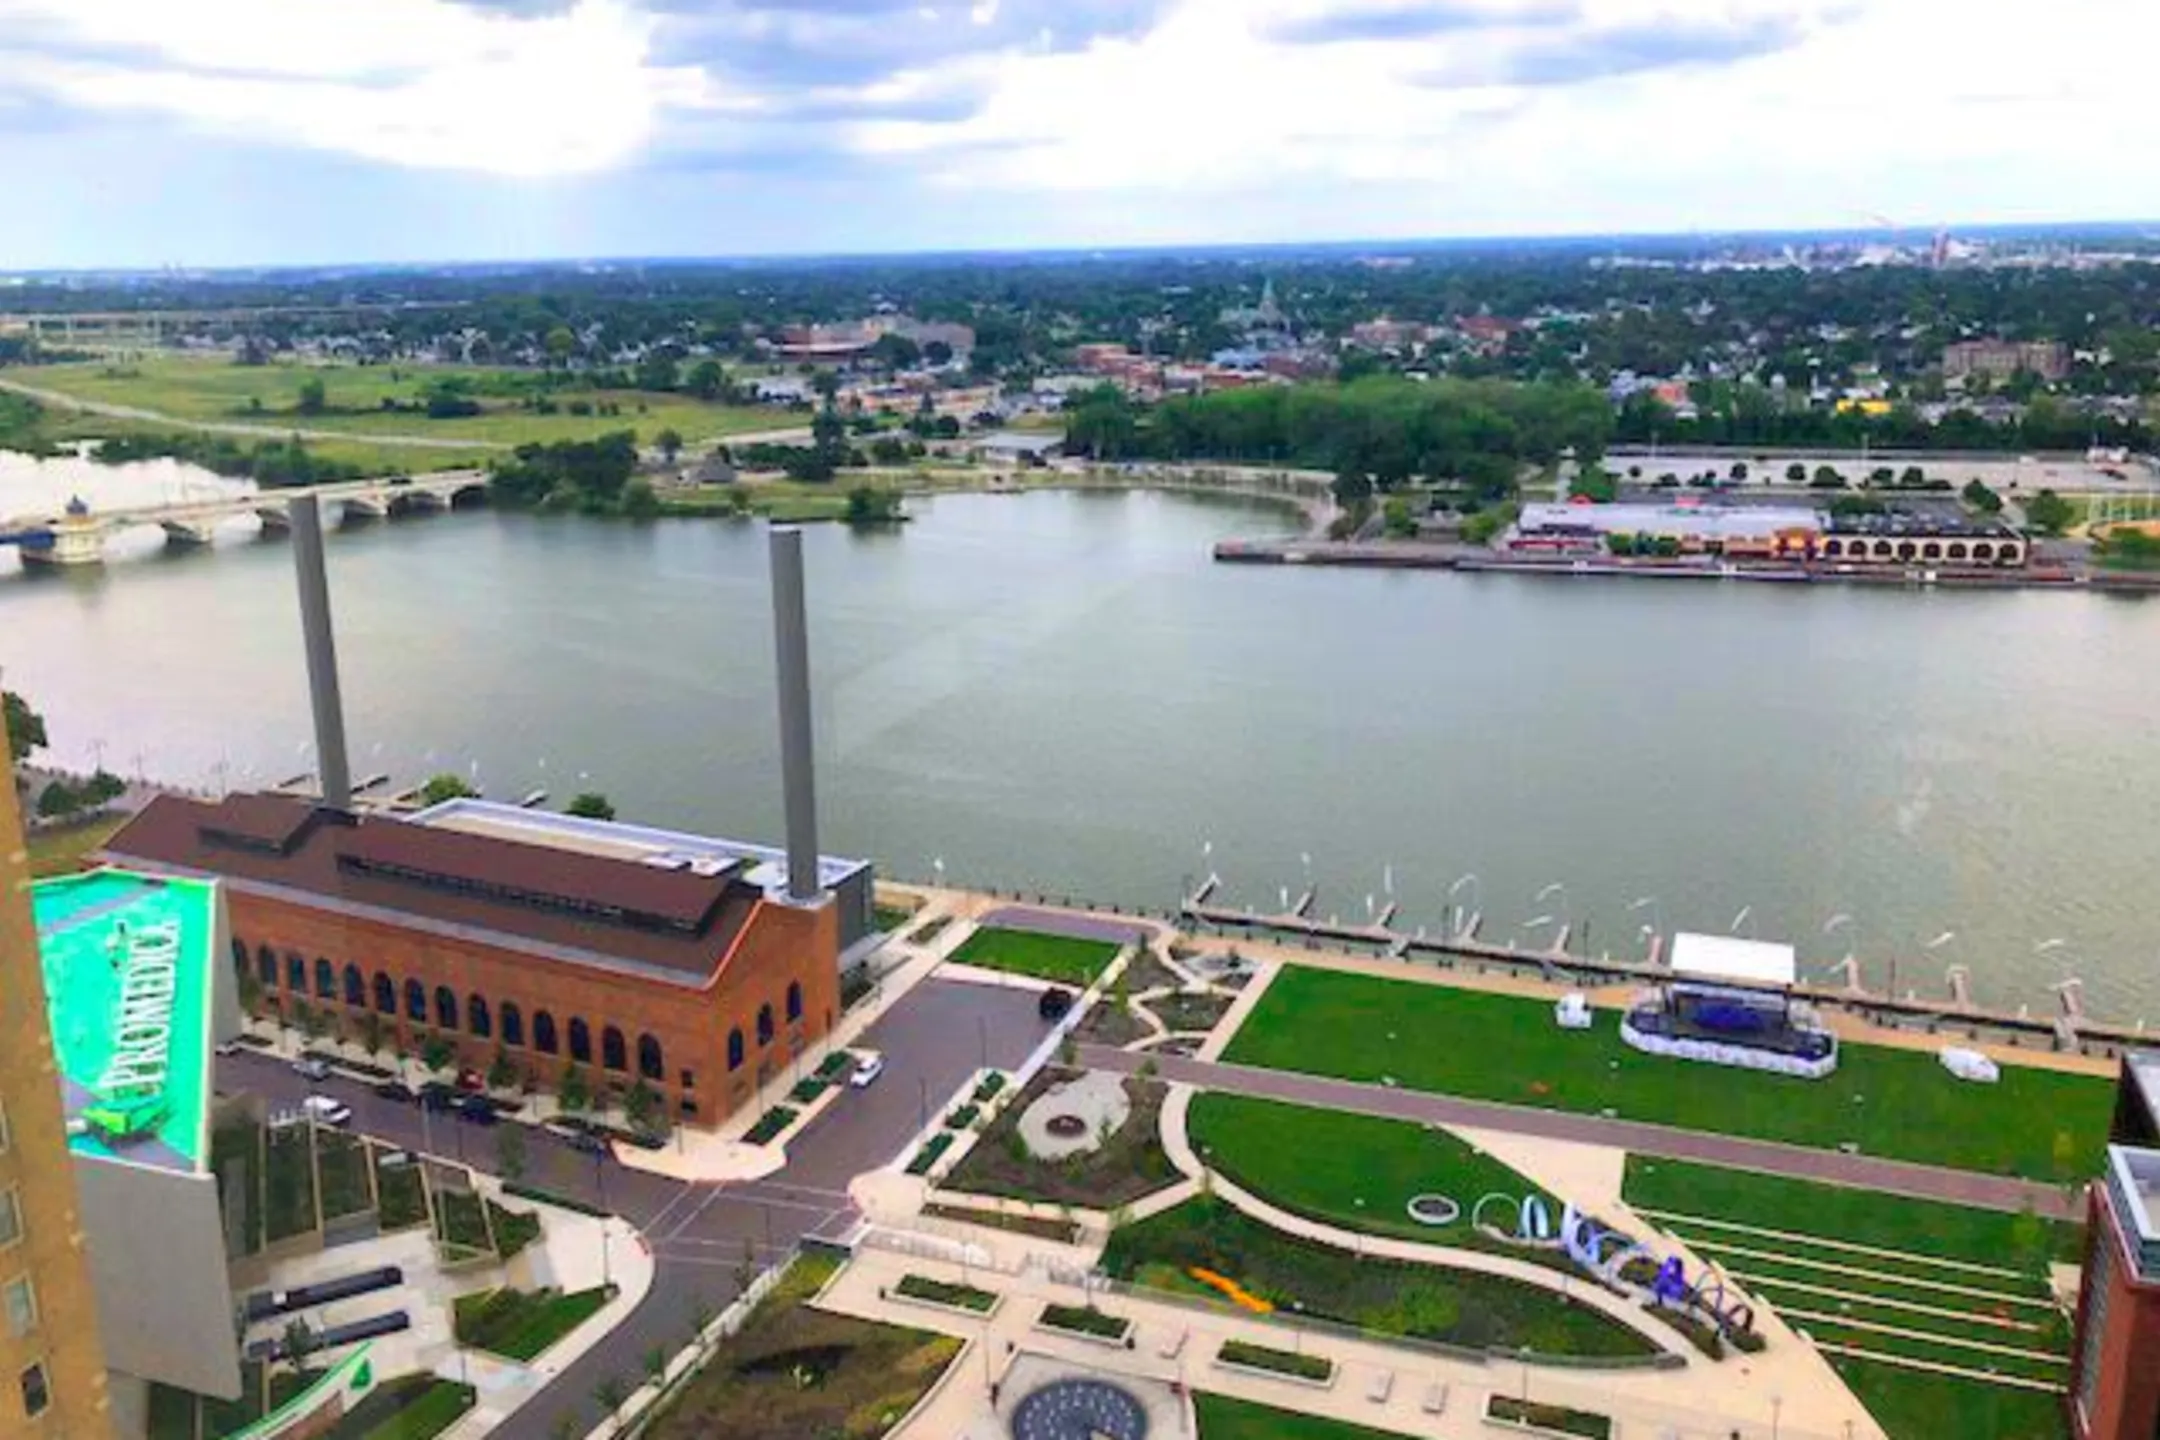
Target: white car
[
  {"x": 325, "y": 1111},
  {"x": 311, "y": 1067},
  {"x": 867, "y": 1071}
]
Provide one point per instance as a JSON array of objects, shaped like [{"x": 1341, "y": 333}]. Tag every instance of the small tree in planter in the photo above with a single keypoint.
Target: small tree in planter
[
  {"x": 571, "y": 1092},
  {"x": 502, "y": 1071},
  {"x": 641, "y": 1105},
  {"x": 438, "y": 1054}
]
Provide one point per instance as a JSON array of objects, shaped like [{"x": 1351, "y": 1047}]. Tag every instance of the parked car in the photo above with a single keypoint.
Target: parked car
[
  {"x": 472, "y": 1082},
  {"x": 324, "y": 1110},
  {"x": 867, "y": 1071},
  {"x": 312, "y": 1066},
  {"x": 396, "y": 1090},
  {"x": 478, "y": 1109},
  {"x": 585, "y": 1142},
  {"x": 437, "y": 1096},
  {"x": 1054, "y": 1003}
]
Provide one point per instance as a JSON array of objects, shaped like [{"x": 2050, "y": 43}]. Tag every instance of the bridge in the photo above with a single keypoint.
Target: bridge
[{"x": 78, "y": 535}]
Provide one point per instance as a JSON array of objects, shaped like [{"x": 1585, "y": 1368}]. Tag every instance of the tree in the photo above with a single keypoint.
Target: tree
[
  {"x": 640, "y": 501},
  {"x": 314, "y": 396},
  {"x": 299, "y": 1344},
  {"x": 371, "y": 1033},
  {"x": 502, "y": 1070},
  {"x": 746, "y": 1268},
  {"x": 2049, "y": 513},
  {"x": 510, "y": 1152},
  {"x": 706, "y": 380},
  {"x": 868, "y": 505},
  {"x": 560, "y": 342},
  {"x": 658, "y": 372},
  {"x": 640, "y": 1103},
  {"x": 445, "y": 786},
  {"x": 437, "y": 1053},
  {"x": 1981, "y": 498},
  {"x": 670, "y": 442},
  {"x": 1739, "y": 470},
  {"x": 655, "y": 1363},
  {"x": 25, "y": 727},
  {"x": 610, "y": 1393},
  {"x": 1827, "y": 477},
  {"x": 1912, "y": 476},
  {"x": 571, "y": 1092},
  {"x": 937, "y": 352},
  {"x": 1352, "y": 487},
  {"x": 591, "y": 805}
]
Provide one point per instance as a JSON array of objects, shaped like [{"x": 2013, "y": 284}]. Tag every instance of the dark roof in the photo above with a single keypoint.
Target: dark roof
[{"x": 616, "y": 908}]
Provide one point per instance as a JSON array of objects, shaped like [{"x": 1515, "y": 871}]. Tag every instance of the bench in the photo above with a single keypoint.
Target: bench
[
  {"x": 1173, "y": 1347},
  {"x": 1382, "y": 1385},
  {"x": 1436, "y": 1398}
]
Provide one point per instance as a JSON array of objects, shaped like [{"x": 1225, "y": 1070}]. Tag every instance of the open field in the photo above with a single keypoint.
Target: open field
[
  {"x": 1887, "y": 1286},
  {"x": 67, "y": 849},
  {"x": 217, "y": 391},
  {"x": 1222, "y": 1418},
  {"x": 1900, "y": 1104},
  {"x": 1431, "y": 1302},
  {"x": 520, "y": 1324},
  {"x": 1061, "y": 958}
]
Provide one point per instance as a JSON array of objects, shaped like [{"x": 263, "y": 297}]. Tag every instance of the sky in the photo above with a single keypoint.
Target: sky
[{"x": 241, "y": 132}]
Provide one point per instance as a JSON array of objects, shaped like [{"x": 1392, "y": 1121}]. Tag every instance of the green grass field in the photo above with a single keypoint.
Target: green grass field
[
  {"x": 1060, "y": 958},
  {"x": 222, "y": 392},
  {"x": 412, "y": 1407},
  {"x": 1914, "y": 1405},
  {"x": 521, "y": 1324},
  {"x": 1357, "y": 1171},
  {"x": 65, "y": 850},
  {"x": 1896, "y": 1103},
  {"x": 1223, "y": 1418}
]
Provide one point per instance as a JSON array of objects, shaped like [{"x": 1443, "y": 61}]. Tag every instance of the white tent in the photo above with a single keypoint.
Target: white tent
[{"x": 1724, "y": 958}]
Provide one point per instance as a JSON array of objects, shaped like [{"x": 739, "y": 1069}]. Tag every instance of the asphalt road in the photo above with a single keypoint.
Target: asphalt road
[
  {"x": 933, "y": 1039},
  {"x": 1866, "y": 1172}
]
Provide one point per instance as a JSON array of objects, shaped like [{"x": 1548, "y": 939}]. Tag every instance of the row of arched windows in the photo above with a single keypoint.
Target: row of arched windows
[{"x": 504, "y": 1022}]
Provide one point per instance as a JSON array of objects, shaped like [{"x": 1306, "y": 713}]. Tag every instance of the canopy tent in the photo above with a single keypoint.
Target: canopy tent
[{"x": 1723, "y": 958}]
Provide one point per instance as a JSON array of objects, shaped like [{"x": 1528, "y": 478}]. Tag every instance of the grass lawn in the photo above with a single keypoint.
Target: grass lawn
[
  {"x": 1390, "y": 1297},
  {"x": 520, "y": 1324},
  {"x": 1222, "y": 1418},
  {"x": 1133, "y": 1164},
  {"x": 67, "y": 849},
  {"x": 1896, "y": 1103},
  {"x": 341, "y": 1161},
  {"x": 1323, "y": 1163},
  {"x": 1046, "y": 957},
  {"x": 290, "y": 1195},
  {"x": 795, "y": 1371},
  {"x": 401, "y": 1195},
  {"x": 411, "y": 1407},
  {"x": 1914, "y": 1405}
]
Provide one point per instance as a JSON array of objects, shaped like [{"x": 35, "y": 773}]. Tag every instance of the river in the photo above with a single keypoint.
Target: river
[{"x": 1062, "y": 692}]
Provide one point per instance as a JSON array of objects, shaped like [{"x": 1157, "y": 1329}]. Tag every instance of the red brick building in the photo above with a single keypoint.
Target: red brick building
[
  {"x": 693, "y": 982},
  {"x": 2115, "y": 1376}
]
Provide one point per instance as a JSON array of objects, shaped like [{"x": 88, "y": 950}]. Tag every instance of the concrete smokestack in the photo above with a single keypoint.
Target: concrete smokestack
[
  {"x": 791, "y": 645},
  {"x": 315, "y": 631}
]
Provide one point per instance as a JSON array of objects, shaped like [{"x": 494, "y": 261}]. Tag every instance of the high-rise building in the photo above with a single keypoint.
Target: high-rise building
[
  {"x": 2115, "y": 1379},
  {"x": 52, "y": 1364}
]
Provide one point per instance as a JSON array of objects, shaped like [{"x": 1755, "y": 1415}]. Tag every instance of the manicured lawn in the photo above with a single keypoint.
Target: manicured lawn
[
  {"x": 1861, "y": 1217},
  {"x": 944, "y": 1292},
  {"x": 1059, "y": 958},
  {"x": 520, "y": 1324},
  {"x": 1323, "y": 1163},
  {"x": 1896, "y": 1103},
  {"x": 1222, "y": 1418},
  {"x": 795, "y": 1371},
  {"x": 1390, "y": 1297},
  {"x": 411, "y": 1407},
  {"x": 1914, "y": 1405}
]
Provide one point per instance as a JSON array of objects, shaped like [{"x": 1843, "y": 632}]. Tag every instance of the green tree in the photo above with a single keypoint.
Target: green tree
[
  {"x": 670, "y": 443},
  {"x": 502, "y": 1070},
  {"x": 299, "y": 1344},
  {"x": 1981, "y": 498},
  {"x": 868, "y": 505},
  {"x": 1739, "y": 470},
  {"x": 2049, "y": 513},
  {"x": 571, "y": 1092},
  {"x": 25, "y": 727},
  {"x": 510, "y": 1152},
  {"x": 658, "y": 372},
  {"x": 1352, "y": 487},
  {"x": 314, "y": 396},
  {"x": 640, "y": 501},
  {"x": 560, "y": 343},
  {"x": 437, "y": 1053},
  {"x": 610, "y": 1393},
  {"x": 591, "y": 805},
  {"x": 655, "y": 1362},
  {"x": 706, "y": 380},
  {"x": 640, "y": 1103},
  {"x": 446, "y": 786}
]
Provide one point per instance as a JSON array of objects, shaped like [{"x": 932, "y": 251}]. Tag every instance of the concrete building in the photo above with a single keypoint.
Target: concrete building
[
  {"x": 52, "y": 1358},
  {"x": 1932, "y": 538},
  {"x": 1752, "y": 531},
  {"x": 2001, "y": 359},
  {"x": 2115, "y": 1358}
]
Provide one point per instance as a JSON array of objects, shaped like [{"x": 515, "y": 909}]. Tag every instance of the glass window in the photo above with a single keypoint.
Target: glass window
[
  {"x": 18, "y": 1305},
  {"x": 3, "y": 1130},
  {"x": 10, "y": 1218},
  {"x": 36, "y": 1393}
]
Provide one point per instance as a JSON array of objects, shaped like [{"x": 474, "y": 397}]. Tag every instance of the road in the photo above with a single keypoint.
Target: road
[
  {"x": 933, "y": 1039},
  {"x": 1864, "y": 1172}
]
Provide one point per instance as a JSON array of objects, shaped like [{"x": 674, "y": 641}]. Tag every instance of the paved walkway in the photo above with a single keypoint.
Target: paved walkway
[{"x": 1926, "y": 1182}]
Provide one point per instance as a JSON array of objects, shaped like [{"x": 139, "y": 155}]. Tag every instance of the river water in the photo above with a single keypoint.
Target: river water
[{"x": 1062, "y": 692}]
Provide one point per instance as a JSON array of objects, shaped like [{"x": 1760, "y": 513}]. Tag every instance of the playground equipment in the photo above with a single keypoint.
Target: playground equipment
[{"x": 1533, "y": 1226}]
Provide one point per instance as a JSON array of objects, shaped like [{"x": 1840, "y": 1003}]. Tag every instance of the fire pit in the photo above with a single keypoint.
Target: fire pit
[{"x": 1066, "y": 1127}]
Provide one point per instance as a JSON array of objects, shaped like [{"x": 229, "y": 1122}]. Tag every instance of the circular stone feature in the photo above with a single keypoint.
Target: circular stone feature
[
  {"x": 1079, "y": 1410},
  {"x": 1096, "y": 1100},
  {"x": 1434, "y": 1210},
  {"x": 1066, "y": 1127}
]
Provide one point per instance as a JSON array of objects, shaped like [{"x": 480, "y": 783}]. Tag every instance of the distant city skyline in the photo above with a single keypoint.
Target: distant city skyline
[{"x": 215, "y": 133}]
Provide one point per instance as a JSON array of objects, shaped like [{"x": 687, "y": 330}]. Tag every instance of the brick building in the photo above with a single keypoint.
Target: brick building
[
  {"x": 692, "y": 975},
  {"x": 2001, "y": 359},
  {"x": 2115, "y": 1359}
]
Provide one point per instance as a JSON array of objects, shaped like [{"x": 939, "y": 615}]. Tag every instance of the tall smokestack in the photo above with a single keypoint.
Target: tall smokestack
[
  {"x": 321, "y": 642},
  {"x": 791, "y": 644}
]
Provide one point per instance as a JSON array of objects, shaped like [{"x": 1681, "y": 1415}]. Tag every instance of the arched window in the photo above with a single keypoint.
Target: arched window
[
  {"x": 266, "y": 966},
  {"x": 445, "y": 1008},
  {"x": 614, "y": 1055},
  {"x": 794, "y": 1001},
  {"x": 544, "y": 1032},
  {"x": 416, "y": 1001},
  {"x": 764, "y": 1025},
  {"x": 513, "y": 1024},
  {"x": 1983, "y": 551},
  {"x": 355, "y": 987},
  {"x": 649, "y": 1061},
  {"x": 325, "y": 979},
  {"x": 1957, "y": 550},
  {"x": 580, "y": 1041},
  {"x": 735, "y": 1048},
  {"x": 296, "y": 972},
  {"x": 476, "y": 1017},
  {"x": 385, "y": 994}
]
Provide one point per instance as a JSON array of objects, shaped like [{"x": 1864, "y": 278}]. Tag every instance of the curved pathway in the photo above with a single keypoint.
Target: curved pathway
[{"x": 62, "y": 400}]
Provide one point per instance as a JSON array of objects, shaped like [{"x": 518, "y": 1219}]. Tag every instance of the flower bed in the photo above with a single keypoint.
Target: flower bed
[
  {"x": 808, "y": 1089},
  {"x": 935, "y": 1146},
  {"x": 1314, "y": 1369},
  {"x": 946, "y": 1293},
  {"x": 963, "y": 1117},
  {"x": 992, "y": 1083},
  {"x": 771, "y": 1123},
  {"x": 1546, "y": 1419},
  {"x": 1086, "y": 1320}
]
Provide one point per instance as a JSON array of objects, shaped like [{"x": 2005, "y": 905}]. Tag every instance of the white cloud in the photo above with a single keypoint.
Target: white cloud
[{"x": 422, "y": 83}]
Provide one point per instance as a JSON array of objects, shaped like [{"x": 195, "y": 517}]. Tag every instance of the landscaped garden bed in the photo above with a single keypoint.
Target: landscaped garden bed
[
  {"x": 963, "y": 1117},
  {"x": 808, "y": 1089},
  {"x": 236, "y": 1159},
  {"x": 1109, "y": 1023},
  {"x": 928, "y": 1291},
  {"x": 1428, "y": 1302},
  {"x": 1895, "y": 1103},
  {"x": 992, "y": 1084},
  {"x": 928, "y": 1154},
  {"x": 1045, "y": 1227},
  {"x": 342, "y": 1164},
  {"x": 460, "y": 1220},
  {"x": 1189, "y": 1012},
  {"x": 795, "y": 1371},
  {"x": 890, "y": 918},
  {"x": 1131, "y": 1165},
  {"x": 1291, "y": 1364},
  {"x": 1063, "y": 959},
  {"x": 835, "y": 1061},
  {"x": 1536, "y": 1419},
  {"x": 289, "y": 1199},
  {"x": 400, "y": 1194},
  {"x": 931, "y": 930},
  {"x": 411, "y": 1407},
  {"x": 521, "y": 1324},
  {"x": 1086, "y": 1320},
  {"x": 770, "y": 1124}
]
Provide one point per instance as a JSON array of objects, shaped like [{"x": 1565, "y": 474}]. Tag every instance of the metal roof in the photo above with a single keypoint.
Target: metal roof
[{"x": 1724, "y": 957}]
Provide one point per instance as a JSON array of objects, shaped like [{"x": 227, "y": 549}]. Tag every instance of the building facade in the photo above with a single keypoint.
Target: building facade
[
  {"x": 2001, "y": 359},
  {"x": 52, "y": 1363},
  {"x": 695, "y": 985},
  {"x": 2115, "y": 1356}
]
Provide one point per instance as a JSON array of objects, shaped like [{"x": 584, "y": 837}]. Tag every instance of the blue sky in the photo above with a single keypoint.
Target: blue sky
[{"x": 225, "y": 132}]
